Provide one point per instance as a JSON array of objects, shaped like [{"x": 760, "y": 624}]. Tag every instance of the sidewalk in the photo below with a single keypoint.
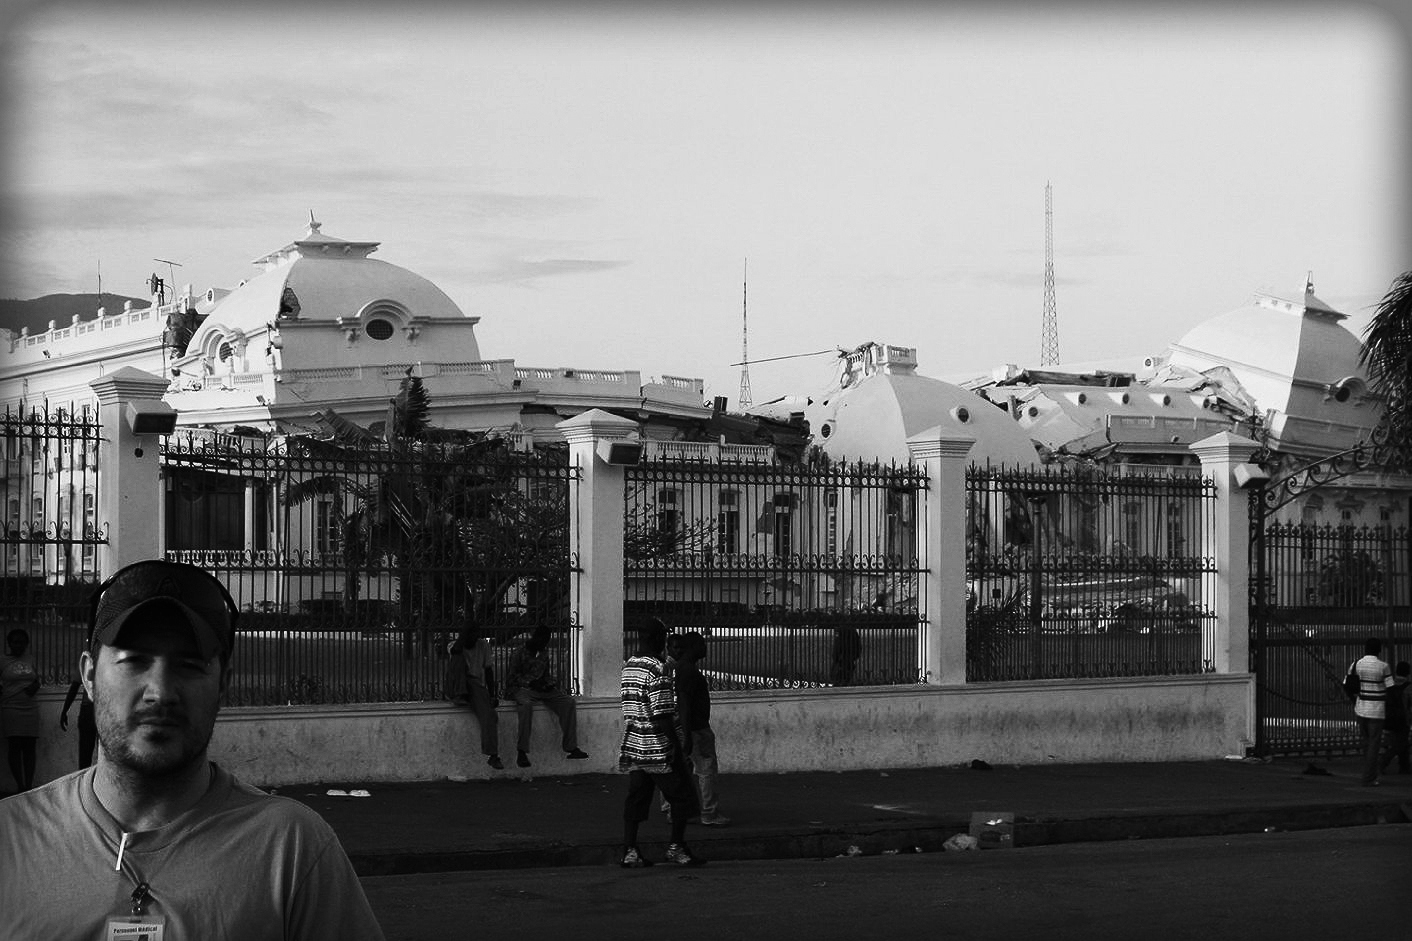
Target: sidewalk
[{"x": 520, "y": 821}]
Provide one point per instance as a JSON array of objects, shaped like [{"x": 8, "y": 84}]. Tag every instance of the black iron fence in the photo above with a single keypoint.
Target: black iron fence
[
  {"x": 805, "y": 575},
  {"x": 355, "y": 568},
  {"x": 51, "y": 538},
  {"x": 1318, "y": 592},
  {"x": 1088, "y": 572}
]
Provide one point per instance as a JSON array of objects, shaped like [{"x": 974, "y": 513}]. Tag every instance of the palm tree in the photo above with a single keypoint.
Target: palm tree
[
  {"x": 450, "y": 512},
  {"x": 1387, "y": 354}
]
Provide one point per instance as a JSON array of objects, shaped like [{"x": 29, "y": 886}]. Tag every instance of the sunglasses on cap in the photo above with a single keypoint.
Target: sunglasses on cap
[{"x": 197, "y": 595}]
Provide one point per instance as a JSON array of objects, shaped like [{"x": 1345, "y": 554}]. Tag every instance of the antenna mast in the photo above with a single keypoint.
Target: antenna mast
[
  {"x": 171, "y": 273},
  {"x": 743, "y": 400},
  {"x": 1049, "y": 338}
]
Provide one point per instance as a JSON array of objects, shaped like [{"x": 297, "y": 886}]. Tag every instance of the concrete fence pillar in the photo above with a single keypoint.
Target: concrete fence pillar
[
  {"x": 597, "y": 508},
  {"x": 1229, "y": 544},
  {"x": 130, "y": 501},
  {"x": 942, "y": 551}
]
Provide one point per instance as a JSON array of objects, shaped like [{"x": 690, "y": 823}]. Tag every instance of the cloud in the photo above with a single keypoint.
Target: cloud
[
  {"x": 526, "y": 271},
  {"x": 1092, "y": 247},
  {"x": 1015, "y": 277}
]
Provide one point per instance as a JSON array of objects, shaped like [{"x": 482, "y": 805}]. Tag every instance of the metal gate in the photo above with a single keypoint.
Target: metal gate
[
  {"x": 801, "y": 575},
  {"x": 1317, "y": 593},
  {"x": 354, "y": 567},
  {"x": 49, "y": 547}
]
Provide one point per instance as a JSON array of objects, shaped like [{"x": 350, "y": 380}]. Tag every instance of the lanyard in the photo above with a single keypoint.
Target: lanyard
[{"x": 142, "y": 892}]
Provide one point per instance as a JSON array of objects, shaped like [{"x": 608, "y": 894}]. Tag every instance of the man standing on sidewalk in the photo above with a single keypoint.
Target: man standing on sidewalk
[
  {"x": 653, "y": 750},
  {"x": 1374, "y": 679},
  {"x": 1396, "y": 726},
  {"x": 694, "y": 705}
]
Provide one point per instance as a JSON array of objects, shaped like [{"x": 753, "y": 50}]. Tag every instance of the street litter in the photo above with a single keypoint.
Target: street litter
[{"x": 993, "y": 829}]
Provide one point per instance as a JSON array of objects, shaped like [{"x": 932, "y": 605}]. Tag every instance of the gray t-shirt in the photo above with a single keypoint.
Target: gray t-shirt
[{"x": 240, "y": 865}]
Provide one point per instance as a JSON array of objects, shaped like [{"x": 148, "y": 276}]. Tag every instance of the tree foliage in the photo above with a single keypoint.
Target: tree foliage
[
  {"x": 458, "y": 517},
  {"x": 1387, "y": 354}
]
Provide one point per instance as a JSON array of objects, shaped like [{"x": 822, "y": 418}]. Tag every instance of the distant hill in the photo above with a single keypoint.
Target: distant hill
[{"x": 60, "y": 308}]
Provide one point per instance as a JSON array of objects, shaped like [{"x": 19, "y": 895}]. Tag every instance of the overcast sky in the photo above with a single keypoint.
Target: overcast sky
[{"x": 590, "y": 179}]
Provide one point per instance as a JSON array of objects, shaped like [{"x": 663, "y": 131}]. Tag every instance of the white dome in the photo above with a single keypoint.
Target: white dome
[
  {"x": 326, "y": 279},
  {"x": 1272, "y": 342},
  {"x": 873, "y": 416}
]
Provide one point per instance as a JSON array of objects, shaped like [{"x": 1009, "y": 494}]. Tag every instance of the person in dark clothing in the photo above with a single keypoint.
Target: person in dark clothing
[
  {"x": 847, "y": 648},
  {"x": 472, "y": 649},
  {"x": 19, "y": 711},
  {"x": 694, "y": 709},
  {"x": 532, "y": 681},
  {"x": 87, "y": 728},
  {"x": 1395, "y": 726}
]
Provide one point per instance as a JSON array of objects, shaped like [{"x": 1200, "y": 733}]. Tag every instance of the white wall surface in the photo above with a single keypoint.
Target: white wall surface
[{"x": 1069, "y": 721}]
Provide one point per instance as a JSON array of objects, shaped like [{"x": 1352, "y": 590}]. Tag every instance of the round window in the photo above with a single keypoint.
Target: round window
[{"x": 379, "y": 329}]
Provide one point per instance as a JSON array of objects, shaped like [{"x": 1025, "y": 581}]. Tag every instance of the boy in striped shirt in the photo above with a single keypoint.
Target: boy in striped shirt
[
  {"x": 652, "y": 752},
  {"x": 1374, "y": 678}
]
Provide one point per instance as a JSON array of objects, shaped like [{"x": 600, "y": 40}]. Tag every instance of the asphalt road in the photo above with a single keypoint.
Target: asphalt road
[{"x": 1354, "y": 882}]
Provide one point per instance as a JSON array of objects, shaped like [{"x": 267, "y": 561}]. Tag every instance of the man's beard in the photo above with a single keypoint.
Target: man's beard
[{"x": 118, "y": 737}]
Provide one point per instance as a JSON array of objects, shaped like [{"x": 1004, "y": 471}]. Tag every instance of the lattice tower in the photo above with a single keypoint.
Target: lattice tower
[
  {"x": 1049, "y": 336},
  {"x": 743, "y": 400}
]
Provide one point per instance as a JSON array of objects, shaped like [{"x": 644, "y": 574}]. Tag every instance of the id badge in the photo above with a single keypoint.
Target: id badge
[{"x": 136, "y": 928}]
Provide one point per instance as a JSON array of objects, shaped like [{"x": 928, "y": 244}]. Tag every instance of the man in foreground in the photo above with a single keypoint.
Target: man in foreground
[{"x": 155, "y": 840}]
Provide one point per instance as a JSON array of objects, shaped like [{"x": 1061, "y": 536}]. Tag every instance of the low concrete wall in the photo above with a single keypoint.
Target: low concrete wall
[{"x": 1142, "y": 719}]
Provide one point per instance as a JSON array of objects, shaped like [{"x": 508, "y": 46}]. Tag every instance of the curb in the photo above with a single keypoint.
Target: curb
[{"x": 882, "y": 839}]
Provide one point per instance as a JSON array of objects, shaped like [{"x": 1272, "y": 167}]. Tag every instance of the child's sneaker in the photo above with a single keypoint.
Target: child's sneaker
[
  {"x": 679, "y": 855},
  {"x": 632, "y": 859}
]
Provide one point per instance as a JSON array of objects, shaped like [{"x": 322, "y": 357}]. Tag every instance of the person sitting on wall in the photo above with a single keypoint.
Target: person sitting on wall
[
  {"x": 531, "y": 681},
  {"x": 471, "y": 655}
]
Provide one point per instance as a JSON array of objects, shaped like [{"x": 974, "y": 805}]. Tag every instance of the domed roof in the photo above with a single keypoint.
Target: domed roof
[
  {"x": 880, "y": 403},
  {"x": 1273, "y": 344},
  {"x": 319, "y": 277}
]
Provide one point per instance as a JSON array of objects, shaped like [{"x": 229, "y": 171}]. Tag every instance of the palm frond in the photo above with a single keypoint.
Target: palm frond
[
  {"x": 1387, "y": 353},
  {"x": 304, "y": 490},
  {"x": 345, "y": 431}
]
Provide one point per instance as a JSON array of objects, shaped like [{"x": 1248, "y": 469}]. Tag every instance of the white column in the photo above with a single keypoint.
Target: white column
[
  {"x": 1229, "y": 545},
  {"x": 596, "y": 514},
  {"x": 942, "y": 592},
  {"x": 129, "y": 472}
]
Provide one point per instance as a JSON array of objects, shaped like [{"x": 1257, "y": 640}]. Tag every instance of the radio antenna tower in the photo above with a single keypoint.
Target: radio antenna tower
[
  {"x": 1049, "y": 339},
  {"x": 743, "y": 400}
]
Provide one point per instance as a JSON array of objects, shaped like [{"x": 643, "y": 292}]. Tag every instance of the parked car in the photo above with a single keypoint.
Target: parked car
[{"x": 1141, "y": 604}]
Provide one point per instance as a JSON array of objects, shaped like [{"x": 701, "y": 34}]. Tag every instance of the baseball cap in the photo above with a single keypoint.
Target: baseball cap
[{"x": 202, "y": 601}]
